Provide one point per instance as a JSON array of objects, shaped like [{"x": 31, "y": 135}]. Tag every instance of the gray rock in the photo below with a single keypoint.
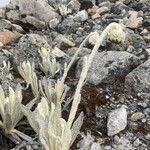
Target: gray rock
[
  {"x": 81, "y": 16},
  {"x": 63, "y": 42},
  {"x": 68, "y": 25},
  {"x": 117, "y": 121},
  {"x": 138, "y": 41},
  {"x": 119, "y": 8},
  {"x": 53, "y": 23},
  {"x": 137, "y": 142},
  {"x": 2, "y": 13},
  {"x": 101, "y": 1},
  {"x": 40, "y": 9},
  {"x": 5, "y": 25},
  {"x": 138, "y": 81},
  {"x": 71, "y": 51},
  {"x": 74, "y": 5},
  {"x": 13, "y": 15},
  {"x": 86, "y": 4},
  {"x": 147, "y": 111},
  {"x": 34, "y": 21},
  {"x": 137, "y": 116},
  {"x": 17, "y": 28},
  {"x": 96, "y": 146},
  {"x": 107, "y": 67},
  {"x": 2, "y": 57},
  {"x": 28, "y": 47}
]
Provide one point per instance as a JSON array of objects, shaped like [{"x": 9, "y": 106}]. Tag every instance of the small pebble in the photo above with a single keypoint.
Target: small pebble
[
  {"x": 81, "y": 16},
  {"x": 117, "y": 121},
  {"x": 137, "y": 116},
  {"x": 137, "y": 142}
]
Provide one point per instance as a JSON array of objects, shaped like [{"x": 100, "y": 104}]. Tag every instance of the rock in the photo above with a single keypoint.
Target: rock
[
  {"x": 1, "y": 44},
  {"x": 119, "y": 8},
  {"x": 108, "y": 67},
  {"x": 93, "y": 10},
  {"x": 8, "y": 37},
  {"x": 103, "y": 10},
  {"x": 142, "y": 104},
  {"x": 53, "y": 23},
  {"x": 117, "y": 121},
  {"x": 95, "y": 16},
  {"x": 85, "y": 142},
  {"x": 13, "y": 15},
  {"x": 62, "y": 42},
  {"x": 40, "y": 9},
  {"x": 147, "y": 111},
  {"x": 93, "y": 38},
  {"x": 146, "y": 21},
  {"x": 134, "y": 21},
  {"x": 68, "y": 25},
  {"x": 148, "y": 51},
  {"x": 96, "y": 12},
  {"x": 147, "y": 38},
  {"x": 86, "y": 4},
  {"x": 2, "y": 13},
  {"x": 81, "y": 16},
  {"x": 142, "y": 54},
  {"x": 100, "y": 2},
  {"x": 137, "y": 46},
  {"x": 34, "y": 21},
  {"x": 144, "y": 32},
  {"x": 5, "y": 25},
  {"x": 85, "y": 51},
  {"x": 147, "y": 136},
  {"x": 74, "y": 5},
  {"x": 137, "y": 142},
  {"x": 3, "y": 58},
  {"x": 137, "y": 116},
  {"x": 96, "y": 146},
  {"x": 17, "y": 28},
  {"x": 137, "y": 41},
  {"x": 138, "y": 81},
  {"x": 58, "y": 53},
  {"x": 28, "y": 48}
]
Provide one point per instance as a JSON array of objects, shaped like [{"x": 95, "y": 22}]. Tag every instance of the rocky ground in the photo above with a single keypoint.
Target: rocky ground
[{"x": 116, "y": 95}]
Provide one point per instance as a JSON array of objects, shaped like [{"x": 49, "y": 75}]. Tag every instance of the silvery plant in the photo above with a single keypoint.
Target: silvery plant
[
  {"x": 54, "y": 132},
  {"x": 48, "y": 64},
  {"x": 10, "y": 111},
  {"x": 27, "y": 71},
  {"x": 63, "y": 9}
]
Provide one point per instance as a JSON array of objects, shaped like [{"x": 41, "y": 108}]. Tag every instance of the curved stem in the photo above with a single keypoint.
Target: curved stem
[
  {"x": 83, "y": 75},
  {"x": 73, "y": 58}
]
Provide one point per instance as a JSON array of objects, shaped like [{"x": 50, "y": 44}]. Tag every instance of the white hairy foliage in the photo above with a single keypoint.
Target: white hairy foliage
[
  {"x": 6, "y": 66},
  {"x": 10, "y": 109},
  {"x": 63, "y": 9},
  {"x": 52, "y": 129},
  {"x": 116, "y": 34},
  {"x": 93, "y": 38},
  {"x": 48, "y": 65},
  {"x": 53, "y": 93},
  {"x": 27, "y": 71},
  {"x": 54, "y": 132}
]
